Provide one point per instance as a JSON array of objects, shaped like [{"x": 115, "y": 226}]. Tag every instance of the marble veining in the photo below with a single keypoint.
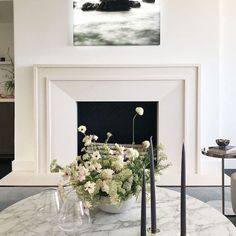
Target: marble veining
[{"x": 21, "y": 219}]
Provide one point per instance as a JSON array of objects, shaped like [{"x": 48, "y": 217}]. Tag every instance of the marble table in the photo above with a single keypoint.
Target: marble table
[{"x": 203, "y": 220}]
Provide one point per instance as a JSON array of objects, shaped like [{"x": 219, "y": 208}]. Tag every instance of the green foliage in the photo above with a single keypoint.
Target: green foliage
[{"x": 10, "y": 86}]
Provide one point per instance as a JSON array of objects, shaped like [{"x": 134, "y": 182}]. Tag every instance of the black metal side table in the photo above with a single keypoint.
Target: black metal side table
[{"x": 222, "y": 157}]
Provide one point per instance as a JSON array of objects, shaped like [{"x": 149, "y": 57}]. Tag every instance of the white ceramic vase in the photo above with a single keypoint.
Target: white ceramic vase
[{"x": 125, "y": 206}]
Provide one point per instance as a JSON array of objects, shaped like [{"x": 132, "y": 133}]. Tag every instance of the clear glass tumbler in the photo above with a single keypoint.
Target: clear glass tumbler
[{"x": 73, "y": 217}]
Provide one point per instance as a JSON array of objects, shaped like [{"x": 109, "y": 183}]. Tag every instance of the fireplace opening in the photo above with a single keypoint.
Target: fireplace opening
[{"x": 117, "y": 118}]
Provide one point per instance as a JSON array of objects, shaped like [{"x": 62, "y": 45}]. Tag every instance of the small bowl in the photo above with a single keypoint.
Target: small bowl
[{"x": 222, "y": 142}]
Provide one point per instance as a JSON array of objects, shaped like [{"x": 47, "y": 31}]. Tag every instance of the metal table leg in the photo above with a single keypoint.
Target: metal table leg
[{"x": 223, "y": 185}]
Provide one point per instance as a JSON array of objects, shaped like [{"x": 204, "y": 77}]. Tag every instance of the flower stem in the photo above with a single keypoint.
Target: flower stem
[{"x": 133, "y": 142}]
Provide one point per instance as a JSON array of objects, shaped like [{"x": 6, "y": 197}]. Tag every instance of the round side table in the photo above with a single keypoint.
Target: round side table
[{"x": 222, "y": 157}]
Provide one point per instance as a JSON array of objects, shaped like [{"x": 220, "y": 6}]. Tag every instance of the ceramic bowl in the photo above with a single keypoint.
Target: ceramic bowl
[{"x": 222, "y": 142}]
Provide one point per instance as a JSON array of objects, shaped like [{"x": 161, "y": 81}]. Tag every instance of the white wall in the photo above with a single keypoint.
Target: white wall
[
  {"x": 43, "y": 34},
  {"x": 6, "y": 38},
  {"x": 228, "y": 71}
]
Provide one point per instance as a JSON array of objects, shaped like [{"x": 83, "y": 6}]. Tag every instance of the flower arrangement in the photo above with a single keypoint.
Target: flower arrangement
[{"x": 108, "y": 173}]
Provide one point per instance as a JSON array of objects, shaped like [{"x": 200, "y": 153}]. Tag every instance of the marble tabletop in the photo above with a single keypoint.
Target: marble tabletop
[{"x": 20, "y": 219}]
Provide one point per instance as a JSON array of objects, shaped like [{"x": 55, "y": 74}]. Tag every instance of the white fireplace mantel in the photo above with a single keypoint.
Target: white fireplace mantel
[{"x": 57, "y": 88}]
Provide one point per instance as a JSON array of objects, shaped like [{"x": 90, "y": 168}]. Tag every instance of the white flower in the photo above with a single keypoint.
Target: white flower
[
  {"x": 139, "y": 110},
  {"x": 82, "y": 129},
  {"x": 89, "y": 166},
  {"x": 107, "y": 173},
  {"x": 120, "y": 159},
  {"x": 111, "y": 152},
  {"x": 83, "y": 172},
  {"x": 136, "y": 154},
  {"x": 132, "y": 153},
  {"x": 96, "y": 155},
  {"x": 98, "y": 167},
  {"x": 146, "y": 144},
  {"x": 109, "y": 134},
  {"x": 129, "y": 152},
  {"x": 87, "y": 140},
  {"x": 90, "y": 187},
  {"x": 105, "y": 187},
  {"x": 120, "y": 149},
  {"x": 95, "y": 137},
  {"x": 66, "y": 173},
  {"x": 119, "y": 163}
]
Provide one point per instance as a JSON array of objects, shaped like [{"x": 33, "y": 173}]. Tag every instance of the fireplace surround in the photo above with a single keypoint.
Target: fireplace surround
[{"x": 58, "y": 88}]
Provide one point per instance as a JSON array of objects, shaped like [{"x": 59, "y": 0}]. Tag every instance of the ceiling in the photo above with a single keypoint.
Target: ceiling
[{"x": 6, "y": 11}]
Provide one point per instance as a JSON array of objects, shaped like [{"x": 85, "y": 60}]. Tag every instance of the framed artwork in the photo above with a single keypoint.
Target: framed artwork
[{"x": 116, "y": 22}]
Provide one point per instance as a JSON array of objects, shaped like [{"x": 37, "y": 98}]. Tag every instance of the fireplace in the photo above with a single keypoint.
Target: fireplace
[
  {"x": 60, "y": 88},
  {"x": 117, "y": 118}
]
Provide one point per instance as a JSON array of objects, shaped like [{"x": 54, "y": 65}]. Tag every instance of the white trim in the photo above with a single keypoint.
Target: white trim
[
  {"x": 36, "y": 119},
  {"x": 46, "y": 66},
  {"x": 186, "y": 117},
  {"x": 114, "y": 78},
  {"x": 48, "y": 119},
  {"x": 198, "y": 144}
]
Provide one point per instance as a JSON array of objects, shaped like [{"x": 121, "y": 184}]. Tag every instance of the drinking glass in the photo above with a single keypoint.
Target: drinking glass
[
  {"x": 73, "y": 217},
  {"x": 49, "y": 205}
]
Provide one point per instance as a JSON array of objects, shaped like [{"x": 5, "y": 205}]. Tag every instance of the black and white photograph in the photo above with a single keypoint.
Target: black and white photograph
[{"x": 116, "y": 22}]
